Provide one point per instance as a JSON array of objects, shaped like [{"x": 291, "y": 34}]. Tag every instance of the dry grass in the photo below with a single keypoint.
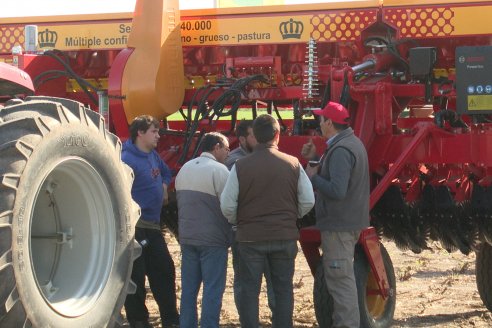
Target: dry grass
[{"x": 434, "y": 289}]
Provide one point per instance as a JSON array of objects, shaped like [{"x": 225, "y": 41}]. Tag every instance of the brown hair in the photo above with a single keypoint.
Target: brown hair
[
  {"x": 211, "y": 139},
  {"x": 265, "y": 127},
  {"x": 242, "y": 128},
  {"x": 142, "y": 123}
]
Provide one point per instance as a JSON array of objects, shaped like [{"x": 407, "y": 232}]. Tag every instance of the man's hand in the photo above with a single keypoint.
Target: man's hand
[
  {"x": 166, "y": 195},
  {"x": 308, "y": 150},
  {"x": 312, "y": 170}
]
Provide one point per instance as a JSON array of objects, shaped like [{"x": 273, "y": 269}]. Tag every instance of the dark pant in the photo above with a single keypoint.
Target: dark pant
[
  {"x": 237, "y": 281},
  {"x": 157, "y": 264},
  {"x": 280, "y": 257}
]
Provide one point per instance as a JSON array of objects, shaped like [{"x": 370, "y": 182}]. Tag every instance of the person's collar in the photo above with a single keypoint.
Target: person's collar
[
  {"x": 340, "y": 135},
  {"x": 208, "y": 155},
  {"x": 261, "y": 146},
  {"x": 331, "y": 139}
]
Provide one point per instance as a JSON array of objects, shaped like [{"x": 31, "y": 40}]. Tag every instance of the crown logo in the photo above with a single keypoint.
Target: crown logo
[
  {"x": 47, "y": 39},
  {"x": 291, "y": 29}
]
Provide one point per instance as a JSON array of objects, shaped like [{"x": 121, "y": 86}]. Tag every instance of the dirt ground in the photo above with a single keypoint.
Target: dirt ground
[{"x": 434, "y": 289}]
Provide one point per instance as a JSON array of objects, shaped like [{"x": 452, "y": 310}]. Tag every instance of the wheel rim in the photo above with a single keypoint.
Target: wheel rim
[
  {"x": 376, "y": 304},
  {"x": 72, "y": 236}
]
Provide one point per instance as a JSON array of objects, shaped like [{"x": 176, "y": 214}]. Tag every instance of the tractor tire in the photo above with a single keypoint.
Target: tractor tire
[
  {"x": 66, "y": 217},
  {"x": 375, "y": 312},
  {"x": 483, "y": 274}
]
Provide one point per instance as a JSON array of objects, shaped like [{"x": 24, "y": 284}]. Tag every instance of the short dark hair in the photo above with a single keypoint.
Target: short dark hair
[
  {"x": 265, "y": 127},
  {"x": 142, "y": 123},
  {"x": 242, "y": 128},
  {"x": 211, "y": 139}
]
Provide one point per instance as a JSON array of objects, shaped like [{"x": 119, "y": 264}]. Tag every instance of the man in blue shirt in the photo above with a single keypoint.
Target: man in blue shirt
[{"x": 149, "y": 190}]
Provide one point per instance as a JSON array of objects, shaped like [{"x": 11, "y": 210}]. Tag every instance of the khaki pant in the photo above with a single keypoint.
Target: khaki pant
[{"x": 338, "y": 265}]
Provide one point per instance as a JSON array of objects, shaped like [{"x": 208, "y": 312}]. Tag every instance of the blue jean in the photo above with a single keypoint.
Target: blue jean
[
  {"x": 280, "y": 257},
  {"x": 237, "y": 281},
  {"x": 205, "y": 264}
]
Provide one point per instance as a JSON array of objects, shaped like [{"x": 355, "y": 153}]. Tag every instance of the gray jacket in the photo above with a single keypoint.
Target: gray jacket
[
  {"x": 234, "y": 155},
  {"x": 199, "y": 184},
  {"x": 342, "y": 186}
]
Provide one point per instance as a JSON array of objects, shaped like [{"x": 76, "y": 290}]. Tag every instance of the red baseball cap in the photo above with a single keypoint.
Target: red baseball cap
[{"x": 335, "y": 112}]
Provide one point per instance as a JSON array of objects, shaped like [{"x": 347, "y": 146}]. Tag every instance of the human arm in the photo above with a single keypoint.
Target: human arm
[
  {"x": 165, "y": 172},
  {"x": 229, "y": 197},
  {"x": 166, "y": 179},
  {"x": 165, "y": 195},
  {"x": 312, "y": 170},
  {"x": 308, "y": 150},
  {"x": 219, "y": 177},
  {"x": 305, "y": 194},
  {"x": 340, "y": 165}
]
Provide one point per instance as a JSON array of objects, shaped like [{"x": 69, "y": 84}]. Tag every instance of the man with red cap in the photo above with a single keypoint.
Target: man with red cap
[{"x": 341, "y": 181}]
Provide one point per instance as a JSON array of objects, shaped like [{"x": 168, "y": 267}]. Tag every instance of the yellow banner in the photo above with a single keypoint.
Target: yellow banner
[
  {"x": 251, "y": 30},
  {"x": 84, "y": 36},
  {"x": 472, "y": 20}
]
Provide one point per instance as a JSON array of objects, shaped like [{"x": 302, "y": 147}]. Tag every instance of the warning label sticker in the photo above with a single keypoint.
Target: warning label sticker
[{"x": 480, "y": 102}]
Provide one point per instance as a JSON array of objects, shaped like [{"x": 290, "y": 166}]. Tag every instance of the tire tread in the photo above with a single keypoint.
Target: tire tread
[
  {"x": 23, "y": 127},
  {"x": 15, "y": 317},
  {"x": 10, "y": 180},
  {"x": 5, "y": 260},
  {"x": 484, "y": 274},
  {"x": 6, "y": 219}
]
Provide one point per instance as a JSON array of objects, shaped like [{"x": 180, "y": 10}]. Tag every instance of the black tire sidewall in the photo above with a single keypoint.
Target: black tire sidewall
[
  {"x": 101, "y": 154},
  {"x": 323, "y": 301},
  {"x": 361, "y": 271},
  {"x": 483, "y": 274}
]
